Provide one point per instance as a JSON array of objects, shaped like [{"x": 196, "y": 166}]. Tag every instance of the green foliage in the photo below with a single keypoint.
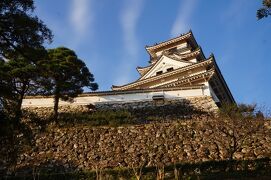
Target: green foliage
[
  {"x": 265, "y": 11},
  {"x": 5, "y": 88},
  {"x": 20, "y": 31},
  {"x": 98, "y": 118},
  {"x": 21, "y": 44},
  {"x": 18, "y": 77},
  {"x": 65, "y": 75},
  {"x": 240, "y": 111}
]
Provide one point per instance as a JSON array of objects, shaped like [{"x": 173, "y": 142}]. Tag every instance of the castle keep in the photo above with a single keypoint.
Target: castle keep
[{"x": 178, "y": 69}]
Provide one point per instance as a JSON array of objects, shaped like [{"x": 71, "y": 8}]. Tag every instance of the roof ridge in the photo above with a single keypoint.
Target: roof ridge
[
  {"x": 174, "y": 38},
  {"x": 179, "y": 81}
]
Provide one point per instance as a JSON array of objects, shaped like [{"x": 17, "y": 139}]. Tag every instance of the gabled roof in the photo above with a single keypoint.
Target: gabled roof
[
  {"x": 143, "y": 70},
  {"x": 167, "y": 74},
  {"x": 179, "y": 57},
  {"x": 152, "y": 49},
  {"x": 157, "y": 63},
  {"x": 188, "y": 80},
  {"x": 182, "y": 57}
]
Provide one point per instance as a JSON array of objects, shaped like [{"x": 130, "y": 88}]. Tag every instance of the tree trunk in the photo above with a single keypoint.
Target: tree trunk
[
  {"x": 18, "y": 111},
  {"x": 56, "y": 102}
]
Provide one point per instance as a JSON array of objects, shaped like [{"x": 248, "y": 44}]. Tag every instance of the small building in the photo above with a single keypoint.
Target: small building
[{"x": 177, "y": 69}]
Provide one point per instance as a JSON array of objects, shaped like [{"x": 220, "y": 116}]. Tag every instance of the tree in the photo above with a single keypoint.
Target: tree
[
  {"x": 65, "y": 75},
  {"x": 265, "y": 11},
  {"x": 236, "y": 133},
  {"x": 236, "y": 125},
  {"x": 5, "y": 89},
  {"x": 18, "y": 78},
  {"x": 21, "y": 40},
  {"x": 20, "y": 31},
  {"x": 238, "y": 111}
]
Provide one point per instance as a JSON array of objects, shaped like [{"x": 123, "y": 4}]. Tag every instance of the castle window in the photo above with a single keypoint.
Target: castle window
[
  {"x": 159, "y": 72},
  {"x": 172, "y": 50},
  {"x": 169, "y": 69}
]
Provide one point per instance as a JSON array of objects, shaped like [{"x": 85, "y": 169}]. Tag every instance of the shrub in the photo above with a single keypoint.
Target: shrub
[{"x": 240, "y": 111}]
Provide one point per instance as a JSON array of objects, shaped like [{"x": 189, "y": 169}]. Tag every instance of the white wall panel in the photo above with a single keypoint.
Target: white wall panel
[{"x": 144, "y": 96}]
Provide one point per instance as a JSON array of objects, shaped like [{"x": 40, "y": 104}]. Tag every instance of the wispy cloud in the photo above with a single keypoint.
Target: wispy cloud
[
  {"x": 129, "y": 18},
  {"x": 181, "y": 23},
  {"x": 80, "y": 17}
]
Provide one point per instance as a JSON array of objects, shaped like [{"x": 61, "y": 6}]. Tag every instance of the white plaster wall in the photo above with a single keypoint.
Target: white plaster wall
[
  {"x": 183, "y": 45},
  {"x": 193, "y": 60},
  {"x": 208, "y": 91},
  {"x": 159, "y": 53},
  {"x": 163, "y": 64},
  {"x": 48, "y": 102}
]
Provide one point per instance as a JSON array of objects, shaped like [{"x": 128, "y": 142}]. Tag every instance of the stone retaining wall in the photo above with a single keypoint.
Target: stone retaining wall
[
  {"x": 203, "y": 103},
  {"x": 178, "y": 107},
  {"x": 141, "y": 145},
  {"x": 84, "y": 148}
]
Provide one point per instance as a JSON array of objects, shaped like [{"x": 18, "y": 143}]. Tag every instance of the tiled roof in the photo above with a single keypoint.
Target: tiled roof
[
  {"x": 102, "y": 93},
  {"x": 164, "y": 43},
  {"x": 188, "y": 79},
  {"x": 167, "y": 74}
]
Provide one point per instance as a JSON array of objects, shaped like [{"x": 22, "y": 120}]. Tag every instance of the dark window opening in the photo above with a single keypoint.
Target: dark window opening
[
  {"x": 170, "y": 69},
  {"x": 158, "y": 97},
  {"x": 172, "y": 50},
  {"x": 159, "y": 72}
]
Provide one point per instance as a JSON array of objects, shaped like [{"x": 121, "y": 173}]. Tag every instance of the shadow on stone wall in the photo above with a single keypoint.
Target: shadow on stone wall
[
  {"x": 196, "y": 138},
  {"x": 167, "y": 111},
  {"x": 229, "y": 169},
  {"x": 51, "y": 169},
  {"x": 15, "y": 139},
  {"x": 121, "y": 113}
]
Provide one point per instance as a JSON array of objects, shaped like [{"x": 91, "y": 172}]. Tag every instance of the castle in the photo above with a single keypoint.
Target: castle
[{"x": 178, "y": 69}]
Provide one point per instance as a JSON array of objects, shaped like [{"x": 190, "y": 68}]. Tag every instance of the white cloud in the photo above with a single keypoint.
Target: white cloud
[
  {"x": 80, "y": 17},
  {"x": 181, "y": 23},
  {"x": 129, "y": 19}
]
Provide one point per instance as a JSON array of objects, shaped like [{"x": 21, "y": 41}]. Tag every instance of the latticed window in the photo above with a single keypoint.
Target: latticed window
[
  {"x": 159, "y": 72},
  {"x": 169, "y": 69}
]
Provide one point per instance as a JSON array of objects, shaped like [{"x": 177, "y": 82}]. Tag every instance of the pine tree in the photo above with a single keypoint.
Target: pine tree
[
  {"x": 265, "y": 11},
  {"x": 65, "y": 75}
]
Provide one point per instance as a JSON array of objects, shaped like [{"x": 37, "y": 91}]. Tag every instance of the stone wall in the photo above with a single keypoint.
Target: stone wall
[
  {"x": 195, "y": 140},
  {"x": 142, "y": 145},
  {"x": 171, "y": 108},
  {"x": 202, "y": 103}
]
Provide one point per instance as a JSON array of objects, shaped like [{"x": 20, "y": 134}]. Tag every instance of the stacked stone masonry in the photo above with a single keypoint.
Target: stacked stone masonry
[
  {"x": 85, "y": 148},
  {"x": 203, "y": 104},
  {"x": 148, "y": 145}
]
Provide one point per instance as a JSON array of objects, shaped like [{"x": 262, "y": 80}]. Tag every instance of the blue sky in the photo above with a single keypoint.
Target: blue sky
[{"x": 110, "y": 36}]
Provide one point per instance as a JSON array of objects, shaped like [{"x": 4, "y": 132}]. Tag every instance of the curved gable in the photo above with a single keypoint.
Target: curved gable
[{"x": 164, "y": 64}]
